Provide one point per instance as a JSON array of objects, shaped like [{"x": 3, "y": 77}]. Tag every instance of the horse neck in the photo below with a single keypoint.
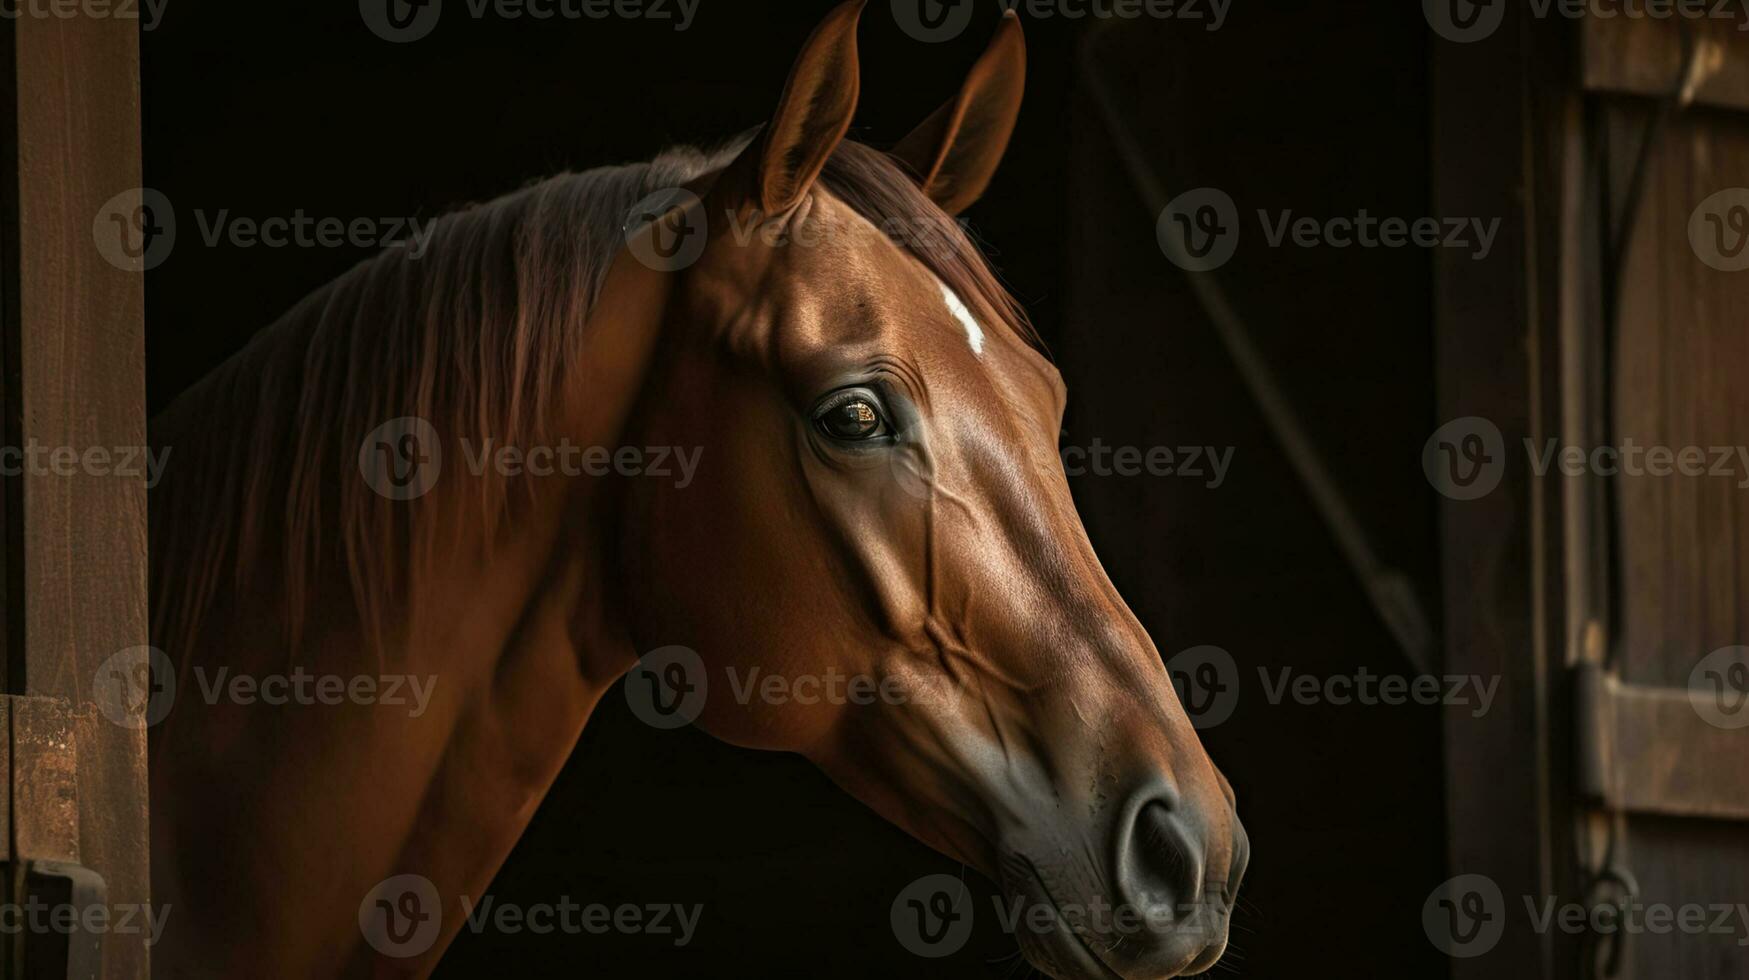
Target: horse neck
[{"x": 517, "y": 639}]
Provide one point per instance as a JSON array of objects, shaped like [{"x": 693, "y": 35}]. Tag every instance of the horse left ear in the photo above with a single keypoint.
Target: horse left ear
[
  {"x": 814, "y": 113},
  {"x": 956, "y": 150}
]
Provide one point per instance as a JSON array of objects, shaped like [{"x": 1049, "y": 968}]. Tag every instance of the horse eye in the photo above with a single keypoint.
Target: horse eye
[{"x": 852, "y": 419}]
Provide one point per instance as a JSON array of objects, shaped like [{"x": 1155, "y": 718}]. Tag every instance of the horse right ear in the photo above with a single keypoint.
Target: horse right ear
[
  {"x": 955, "y": 151},
  {"x": 813, "y": 114}
]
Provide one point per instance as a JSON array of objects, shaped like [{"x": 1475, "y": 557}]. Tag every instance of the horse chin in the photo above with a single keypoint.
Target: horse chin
[
  {"x": 1058, "y": 951},
  {"x": 1063, "y": 951},
  {"x": 1063, "y": 955}
]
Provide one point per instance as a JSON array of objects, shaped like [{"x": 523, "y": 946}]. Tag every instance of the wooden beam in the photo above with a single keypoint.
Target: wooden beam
[{"x": 1651, "y": 750}]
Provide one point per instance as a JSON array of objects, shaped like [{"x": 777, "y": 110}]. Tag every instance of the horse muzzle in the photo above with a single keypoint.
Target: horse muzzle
[{"x": 1154, "y": 900}]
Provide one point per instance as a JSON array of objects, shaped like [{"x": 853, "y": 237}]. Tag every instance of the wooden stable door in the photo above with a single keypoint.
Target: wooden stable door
[{"x": 1614, "y": 600}]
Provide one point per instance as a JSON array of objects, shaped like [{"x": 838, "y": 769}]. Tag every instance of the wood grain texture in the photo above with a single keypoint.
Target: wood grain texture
[
  {"x": 81, "y": 377},
  {"x": 1684, "y": 540}
]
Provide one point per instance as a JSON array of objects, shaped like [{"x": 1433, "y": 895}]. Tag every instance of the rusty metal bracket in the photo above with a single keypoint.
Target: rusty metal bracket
[
  {"x": 47, "y": 891},
  {"x": 56, "y": 944}
]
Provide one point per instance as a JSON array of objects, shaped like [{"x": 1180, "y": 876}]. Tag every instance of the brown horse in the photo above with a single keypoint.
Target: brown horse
[{"x": 878, "y": 495}]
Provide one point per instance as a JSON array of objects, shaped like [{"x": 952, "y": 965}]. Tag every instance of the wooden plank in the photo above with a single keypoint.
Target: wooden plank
[
  {"x": 81, "y": 386},
  {"x": 1498, "y": 118},
  {"x": 1683, "y": 346},
  {"x": 1642, "y": 57},
  {"x": 1654, "y": 750},
  {"x": 1682, "y": 538}
]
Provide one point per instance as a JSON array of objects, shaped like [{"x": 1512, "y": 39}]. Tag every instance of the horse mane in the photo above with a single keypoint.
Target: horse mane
[{"x": 474, "y": 337}]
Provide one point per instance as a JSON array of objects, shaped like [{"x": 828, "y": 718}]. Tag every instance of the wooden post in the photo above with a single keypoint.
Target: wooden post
[{"x": 75, "y": 382}]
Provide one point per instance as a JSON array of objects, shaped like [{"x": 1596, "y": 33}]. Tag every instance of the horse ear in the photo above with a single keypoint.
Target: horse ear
[
  {"x": 956, "y": 150},
  {"x": 814, "y": 113}
]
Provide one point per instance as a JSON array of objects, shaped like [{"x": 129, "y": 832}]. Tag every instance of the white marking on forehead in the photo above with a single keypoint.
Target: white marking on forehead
[{"x": 957, "y": 306}]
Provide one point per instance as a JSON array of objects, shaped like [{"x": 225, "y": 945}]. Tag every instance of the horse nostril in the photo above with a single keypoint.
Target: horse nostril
[
  {"x": 1173, "y": 882},
  {"x": 1164, "y": 866}
]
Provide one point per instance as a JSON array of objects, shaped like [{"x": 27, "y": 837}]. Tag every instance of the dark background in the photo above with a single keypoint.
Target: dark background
[{"x": 265, "y": 108}]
